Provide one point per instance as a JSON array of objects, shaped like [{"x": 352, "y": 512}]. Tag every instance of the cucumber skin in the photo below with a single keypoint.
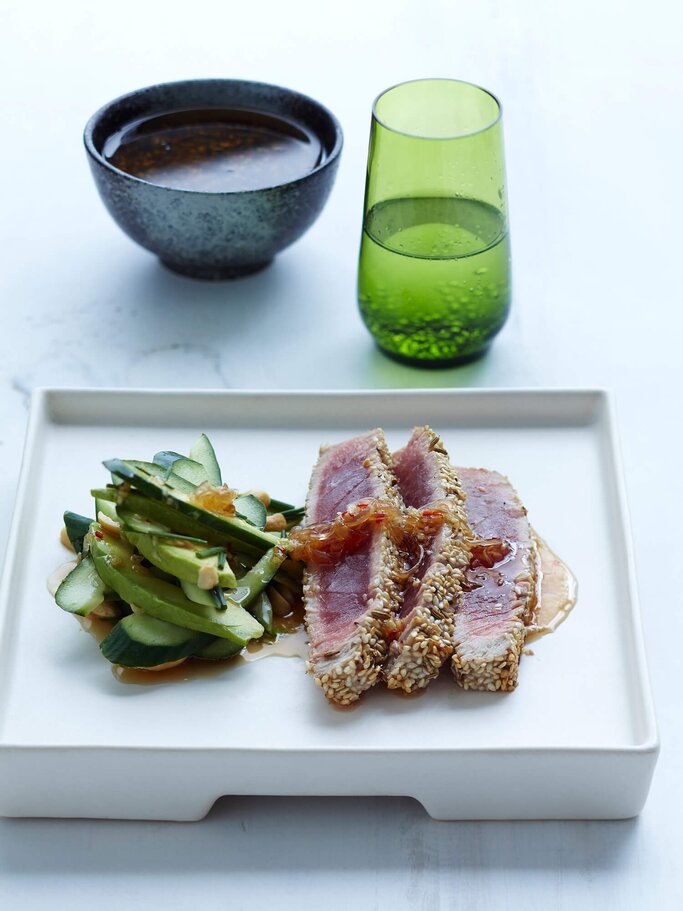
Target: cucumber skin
[
  {"x": 203, "y": 452},
  {"x": 263, "y": 611},
  {"x": 165, "y": 515},
  {"x": 123, "y": 646},
  {"x": 77, "y": 528},
  {"x": 165, "y": 601},
  {"x": 252, "y": 510},
  {"x": 180, "y": 484},
  {"x": 82, "y": 590},
  {"x": 166, "y": 458},
  {"x": 256, "y": 579},
  {"x": 218, "y": 650},
  {"x": 191, "y": 471}
]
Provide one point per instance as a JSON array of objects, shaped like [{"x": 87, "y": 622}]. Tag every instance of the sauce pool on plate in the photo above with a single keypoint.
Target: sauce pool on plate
[{"x": 216, "y": 150}]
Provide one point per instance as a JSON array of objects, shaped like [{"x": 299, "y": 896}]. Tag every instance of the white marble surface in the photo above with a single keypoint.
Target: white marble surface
[{"x": 592, "y": 95}]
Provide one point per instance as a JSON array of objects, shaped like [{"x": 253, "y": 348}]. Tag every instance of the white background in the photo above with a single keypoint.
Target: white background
[{"x": 592, "y": 100}]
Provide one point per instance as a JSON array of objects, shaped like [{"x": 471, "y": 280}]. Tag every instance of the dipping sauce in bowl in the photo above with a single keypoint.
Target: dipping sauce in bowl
[
  {"x": 214, "y": 150},
  {"x": 214, "y": 176}
]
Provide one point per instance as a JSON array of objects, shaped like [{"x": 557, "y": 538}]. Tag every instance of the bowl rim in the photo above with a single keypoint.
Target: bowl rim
[{"x": 99, "y": 158}]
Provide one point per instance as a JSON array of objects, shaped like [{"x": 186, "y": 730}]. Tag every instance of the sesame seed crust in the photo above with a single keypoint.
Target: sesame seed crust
[
  {"x": 490, "y": 628},
  {"x": 497, "y": 668},
  {"x": 345, "y": 673},
  {"x": 426, "y": 634}
]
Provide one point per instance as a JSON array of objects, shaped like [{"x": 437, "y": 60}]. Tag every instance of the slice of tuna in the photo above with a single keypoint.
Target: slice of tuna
[
  {"x": 500, "y": 594},
  {"x": 349, "y": 600},
  {"x": 423, "y": 629}
]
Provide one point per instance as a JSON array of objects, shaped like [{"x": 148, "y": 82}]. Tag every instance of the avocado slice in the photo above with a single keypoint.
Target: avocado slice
[
  {"x": 161, "y": 599},
  {"x": 178, "y": 560}
]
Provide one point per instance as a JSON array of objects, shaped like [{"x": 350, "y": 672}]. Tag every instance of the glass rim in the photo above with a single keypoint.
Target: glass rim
[{"x": 465, "y": 135}]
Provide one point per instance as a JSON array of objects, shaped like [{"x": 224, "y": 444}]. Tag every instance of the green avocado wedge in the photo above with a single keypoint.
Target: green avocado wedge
[
  {"x": 163, "y": 600},
  {"x": 178, "y": 560}
]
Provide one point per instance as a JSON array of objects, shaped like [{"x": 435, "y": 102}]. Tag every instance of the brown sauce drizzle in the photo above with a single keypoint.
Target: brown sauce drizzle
[
  {"x": 556, "y": 591},
  {"x": 328, "y": 542}
]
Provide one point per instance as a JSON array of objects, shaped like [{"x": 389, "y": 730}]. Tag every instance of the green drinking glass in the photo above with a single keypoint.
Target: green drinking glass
[{"x": 434, "y": 271}]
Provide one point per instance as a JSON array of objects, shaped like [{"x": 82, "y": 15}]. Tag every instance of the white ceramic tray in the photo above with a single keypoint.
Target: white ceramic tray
[{"x": 576, "y": 740}]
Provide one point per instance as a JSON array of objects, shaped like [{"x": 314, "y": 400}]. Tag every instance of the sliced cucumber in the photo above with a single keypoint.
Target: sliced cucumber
[
  {"x": 153, "y": 514},
  {"x": 191, "y": 471},
  {"x": 76, "y": 529},
  {"x": 262, "y": 609},
  {"x": 106, "y": 507},
  {"x": 252, "y": 509},
  {"x": 178, "y": 560},
  {"x": 133, "y": 522},
  {"x": 109, "y": 493},
  {"x": 82, "y": 590},
  {"x": 163, "y": 600},
  {"x": 249, "y": 586},
  {"x": 151, "y": 469},
  {"x": 218, "y": 649},
  {"x": 233, "y": 529},
  {"x": 294, "y": 515},
  {"x": 253, "y": 582},
  {"x": 166, "y": 458},
  {"x": 203, "y": 452},
  {"x": 142, "y": 641},
  {"x": 279, "y": 506}
]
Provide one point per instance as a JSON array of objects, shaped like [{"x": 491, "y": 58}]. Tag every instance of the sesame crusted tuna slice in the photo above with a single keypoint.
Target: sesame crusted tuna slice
[
  {"x": 500, "y": 594},
  {"x": 423, "y": 630},
  {"x": 349, "y": 598}
]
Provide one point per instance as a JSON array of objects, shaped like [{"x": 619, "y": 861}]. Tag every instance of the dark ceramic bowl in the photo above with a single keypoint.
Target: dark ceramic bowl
[{"x": 214, "y": 234}]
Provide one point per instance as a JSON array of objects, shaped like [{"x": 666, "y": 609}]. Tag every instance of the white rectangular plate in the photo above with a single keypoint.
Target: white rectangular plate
[{"x": 576, "y": 740}]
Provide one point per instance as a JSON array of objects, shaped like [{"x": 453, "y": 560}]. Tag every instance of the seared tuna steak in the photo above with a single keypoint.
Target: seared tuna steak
[
  {"x": 437, "y": 553},
  {"x": 500, "y": 594},
  {"x": 351, "y": 580}
]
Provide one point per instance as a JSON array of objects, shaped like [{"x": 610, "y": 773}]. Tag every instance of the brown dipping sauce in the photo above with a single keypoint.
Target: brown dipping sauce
[{"x": 214, "y": 150}]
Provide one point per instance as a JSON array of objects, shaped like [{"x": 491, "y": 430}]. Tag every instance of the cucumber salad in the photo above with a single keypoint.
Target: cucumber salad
[{"x": 179, "y": 563}]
